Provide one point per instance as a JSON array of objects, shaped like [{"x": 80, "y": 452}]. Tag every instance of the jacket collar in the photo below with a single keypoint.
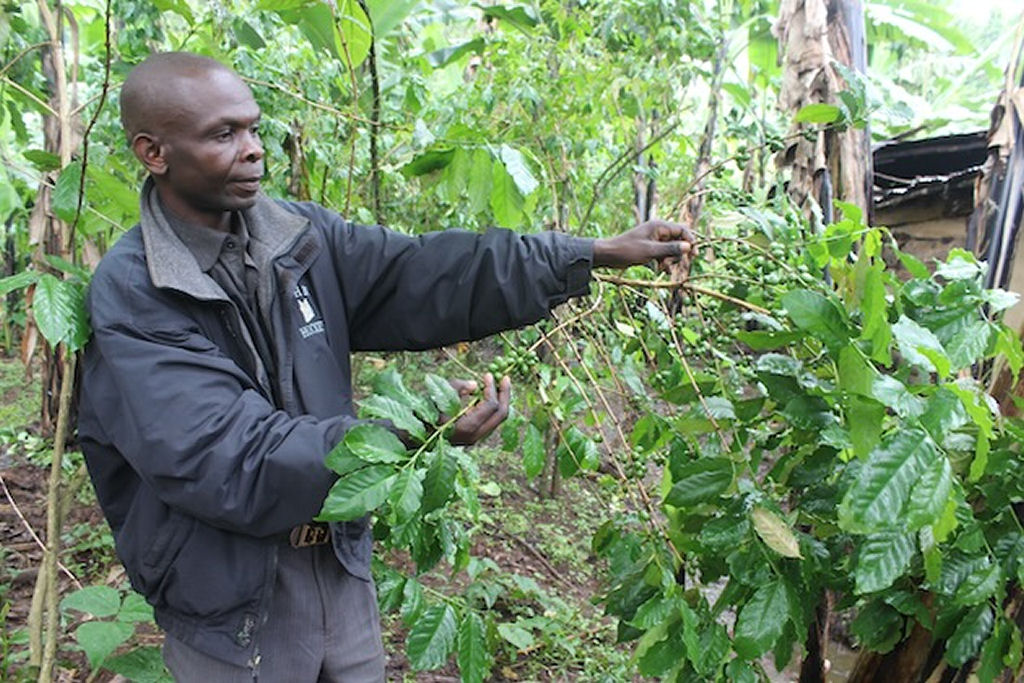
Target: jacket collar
[{"x": 171, "y": 265}]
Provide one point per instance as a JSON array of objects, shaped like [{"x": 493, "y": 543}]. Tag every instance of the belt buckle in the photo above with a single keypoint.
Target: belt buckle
[{"x": 308, "y": 535}]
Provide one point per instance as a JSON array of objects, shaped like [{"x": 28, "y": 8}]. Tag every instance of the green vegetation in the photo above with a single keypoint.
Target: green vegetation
[{"x": 691, "y": 467}]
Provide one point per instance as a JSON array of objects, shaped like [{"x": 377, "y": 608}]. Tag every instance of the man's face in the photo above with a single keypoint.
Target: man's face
[{"x": 210, "y": 156}]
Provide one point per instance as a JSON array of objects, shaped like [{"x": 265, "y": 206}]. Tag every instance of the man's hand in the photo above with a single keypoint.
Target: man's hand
[
  {"x": 481, "y": 419},
  {"x": 661, "y": 241}
]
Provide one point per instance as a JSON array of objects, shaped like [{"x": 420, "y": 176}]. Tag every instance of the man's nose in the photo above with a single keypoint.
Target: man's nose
[{"x": 252, "y": 149}]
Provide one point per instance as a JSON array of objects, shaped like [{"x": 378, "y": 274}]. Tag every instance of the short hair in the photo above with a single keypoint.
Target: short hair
[{"x": 145, "y": 90}]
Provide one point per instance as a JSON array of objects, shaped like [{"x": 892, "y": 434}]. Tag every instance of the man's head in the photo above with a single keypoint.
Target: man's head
[{"x": 192, "y": 122}]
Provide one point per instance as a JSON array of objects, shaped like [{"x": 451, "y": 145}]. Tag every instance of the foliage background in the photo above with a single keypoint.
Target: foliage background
[{"x": 549, "y": 116}]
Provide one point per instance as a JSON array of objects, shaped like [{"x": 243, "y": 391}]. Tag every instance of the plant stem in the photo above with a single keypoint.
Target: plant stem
[{"x": 53, "y": 518}]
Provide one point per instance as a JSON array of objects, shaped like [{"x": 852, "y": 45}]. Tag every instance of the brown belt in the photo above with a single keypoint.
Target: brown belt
[{"x": 305, "y": 535}]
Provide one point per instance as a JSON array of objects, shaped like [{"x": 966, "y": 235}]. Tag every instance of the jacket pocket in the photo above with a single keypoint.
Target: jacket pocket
[{"x": 167, "y": 543}]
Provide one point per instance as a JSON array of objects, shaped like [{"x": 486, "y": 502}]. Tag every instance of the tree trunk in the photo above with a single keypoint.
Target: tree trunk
[{"x": 824, "y": 161}]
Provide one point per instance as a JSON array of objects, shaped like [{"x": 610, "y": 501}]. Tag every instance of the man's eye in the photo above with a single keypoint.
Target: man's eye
[{"x": 224, "y": 135}]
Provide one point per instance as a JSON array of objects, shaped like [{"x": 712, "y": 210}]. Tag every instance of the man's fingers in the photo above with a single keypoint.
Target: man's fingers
[
  {"x": 484, "y": 417},
  {"x": 464, "y": 387},
  {"x": 498, "y": 410}
]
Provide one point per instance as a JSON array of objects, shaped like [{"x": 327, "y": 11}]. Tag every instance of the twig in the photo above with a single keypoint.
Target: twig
[
  {"x": 616, "y": 167},
  {"x": 313, "y": 103},
  {"x": 565, "y": 323},
  {"x": 21, "y": 54},
  {"x": 32, "y": 533},
  {"x": 658, "y": 284},
  {"x": 555, "y": 574},
  {"x": 28, "y": 93},
  {"x": 355, "y": 106},
  {"x": 88, "y": 128}
]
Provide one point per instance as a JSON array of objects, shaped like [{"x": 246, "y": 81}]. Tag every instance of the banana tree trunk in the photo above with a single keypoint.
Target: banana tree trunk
[{"x": 825, "y": 162}]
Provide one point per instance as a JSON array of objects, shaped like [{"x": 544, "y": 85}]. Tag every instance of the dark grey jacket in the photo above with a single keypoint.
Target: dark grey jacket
[{"x": 201, "y": 460}]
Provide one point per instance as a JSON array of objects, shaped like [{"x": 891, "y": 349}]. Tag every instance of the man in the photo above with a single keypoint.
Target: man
[{"x": 218, "y": 377}]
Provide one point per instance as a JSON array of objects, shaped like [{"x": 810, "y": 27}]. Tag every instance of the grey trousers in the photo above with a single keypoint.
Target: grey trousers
[{"x": 324, "y": 626}]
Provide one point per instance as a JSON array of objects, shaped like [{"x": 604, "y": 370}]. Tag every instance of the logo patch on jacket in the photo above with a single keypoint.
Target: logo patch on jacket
[{"x": 309, "y": 315}]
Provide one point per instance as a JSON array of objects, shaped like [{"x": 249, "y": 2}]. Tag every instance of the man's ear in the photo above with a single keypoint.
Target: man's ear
[{"x": 150, "y": 152}]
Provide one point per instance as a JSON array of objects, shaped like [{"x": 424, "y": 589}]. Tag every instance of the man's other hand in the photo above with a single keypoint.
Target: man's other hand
[
  {"x": 480, "y": 420},
  {"x": 661, "y": 241}
]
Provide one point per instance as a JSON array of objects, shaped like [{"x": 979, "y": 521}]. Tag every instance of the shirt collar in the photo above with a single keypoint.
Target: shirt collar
[{"x": 206, "y": 244}]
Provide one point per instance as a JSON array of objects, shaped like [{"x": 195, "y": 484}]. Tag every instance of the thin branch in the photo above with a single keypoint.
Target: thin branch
[
  {"x": 32, "y": 96},
  {"x": 355, "y": 105},
  {"x": 313, "y": 103},
  {"x": 658, "y": 284},
  {"x": 30, "y": 48},
  {"x": 92, "y": 122},
  {"x": 616, "y": 167},
  {"x": 32, "y": 532}
]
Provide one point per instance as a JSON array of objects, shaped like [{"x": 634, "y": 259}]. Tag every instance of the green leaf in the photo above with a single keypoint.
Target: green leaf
[
  {"x": 140, "y": 665},
  {"x": 996, "y": 647},
  {"x": 920, "y": 346},
  {"x": 432, "y": 638},
  {"x": 522, "y": 17},
  {"x": 66, "y": 266},
  {"x": 738, "y": 671},
  {"x": 774, "y": 531},
  {"x": 767, "y": 340},
  {"x": 428, "y": 162},
  {"x": 444, "y": 395},
  {"x": 390, "y": 383},
  {"x": 473, "y": 657},
  {"x": 446, "y": 55},
  {"x": 247, "y": 35},
  {"x": 864, "y": 419},
  {"x": 930, "y": 494},
  {"x": 517, "y": 635},
  {"x": 65, "y": 193},
  {"x": 892, "y": 393},
  {"x": 439, "y": 484},
  {"x": 99, "y": 601},
  {"x": 341, "y": 460},
  {"x": 480, "y": 181},
  {"x": 979, "y": 586},
  {"x": 99, "y": 639},
  {"x": 818, "y": 315},
  {"x": 761, "y": 620},
  {"x": 877, "y": 499},
  {"x": 401, "y": 416},
  {"x": 42, "y": 160},
  {"x": 970, "y": 633},
  {"x": 960, "y": 265},
  {"x": 374, "y": 444},
  {"x": 914, "y": 266},
  {"x": 18, "y": 281},
  {"x": 969, "y": 345},
  {"x": 517, "y": 168},
  {"x": 59, "y": 310},
  {"x": 699, "y": 482},
  {"x": 506, "y": 200},
  {"x": 878, "y": 627},
  {"x": 881, "y": 559},
  {"x": 534, "y": 453},
  {"x": 943, "y": 413},
  {"x": 412, "y": 601},
  {"x": 818, "y": 112},
  {"x": 134, "y": 608},
  {"x": 387, "y": 15},
  {"x": 407, "y": 494},
  {"x": 999, "y": 299},
  {"x": 358, "y": 493}
]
